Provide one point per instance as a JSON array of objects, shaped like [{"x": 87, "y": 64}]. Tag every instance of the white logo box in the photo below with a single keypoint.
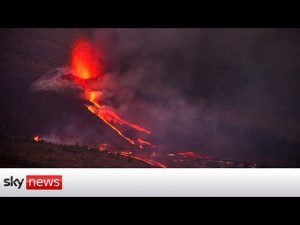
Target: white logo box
[{"x": 162, "y": 182}]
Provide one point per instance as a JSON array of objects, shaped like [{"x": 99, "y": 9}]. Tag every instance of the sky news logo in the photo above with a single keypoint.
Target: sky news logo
[{"x": 35, "y": 182}]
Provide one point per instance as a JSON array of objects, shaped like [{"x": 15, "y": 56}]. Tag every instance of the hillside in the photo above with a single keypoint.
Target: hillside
[{"x": 20, "y": 152}]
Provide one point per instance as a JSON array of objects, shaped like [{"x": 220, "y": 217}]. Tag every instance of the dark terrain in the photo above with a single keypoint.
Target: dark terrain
[
  {"x": 20, "y": 152},
  {"x": 23, "y": 152}
]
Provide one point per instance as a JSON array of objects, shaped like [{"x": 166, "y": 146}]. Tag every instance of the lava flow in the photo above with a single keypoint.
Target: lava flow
[
  {"x": 148, "y": 161},
  {"x": 85, "y": 66}
]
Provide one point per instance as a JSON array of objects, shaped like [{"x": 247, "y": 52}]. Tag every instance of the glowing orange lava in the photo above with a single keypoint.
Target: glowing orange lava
[
  {"x": 85, "y": 60},
  {"x": 148, "y": 161},
  {"x": 91, "y": 109},
  {"x": 107, "y": 115},
  {"x": 143, "y": 143},
  {"x": 102, "y": 147},
  {"x": 193, "y": 155}
]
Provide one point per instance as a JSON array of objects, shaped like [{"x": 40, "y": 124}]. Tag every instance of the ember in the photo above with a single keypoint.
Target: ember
[
  {"x": 102, "y": 147},
  {"x": 37, "y": 138},
  {"x": 193, "y": 155}
]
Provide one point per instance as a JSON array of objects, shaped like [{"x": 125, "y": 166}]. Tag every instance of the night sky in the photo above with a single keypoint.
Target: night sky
[{"x": 229, "y": 93}]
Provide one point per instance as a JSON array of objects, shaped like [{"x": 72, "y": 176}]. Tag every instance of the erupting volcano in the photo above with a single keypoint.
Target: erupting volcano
[
  {"x": 86, "y": 68},
  {"x": 88, "y": 77}
]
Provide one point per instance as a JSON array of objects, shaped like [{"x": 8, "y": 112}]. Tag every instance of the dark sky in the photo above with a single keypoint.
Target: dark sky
[{"x": 229, "y": 93}]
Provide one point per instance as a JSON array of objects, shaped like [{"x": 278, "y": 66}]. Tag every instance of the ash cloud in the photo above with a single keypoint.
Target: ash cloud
[
  {"x": 53, "y": 81},
  {"x": 226, "y": 92}
]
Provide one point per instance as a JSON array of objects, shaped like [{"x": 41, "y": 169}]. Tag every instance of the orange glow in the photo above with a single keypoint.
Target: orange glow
[
  {"x": 37, "y": 138},
  {"x": 150, "y": 162},
  {"x": 193, "y": 155},
  {"x": 102, "y": 147},
  {"x": 142, "y": 142},
  {"x": 91, "y": 109},
  {"x": 110, "y": 117},
  {"x": 85, "y": 61},
  {"x": 92, "y": 96}
]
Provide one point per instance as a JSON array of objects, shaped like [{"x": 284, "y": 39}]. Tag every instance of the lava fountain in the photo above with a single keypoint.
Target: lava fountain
[{"x": 85, "y": 61}]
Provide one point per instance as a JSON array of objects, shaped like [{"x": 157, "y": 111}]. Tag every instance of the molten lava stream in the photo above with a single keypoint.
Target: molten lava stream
[
  {"x": 108, "y": 116},
  {"x": 90, "y": 108},
  {"x": 150, "y": 162}
]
